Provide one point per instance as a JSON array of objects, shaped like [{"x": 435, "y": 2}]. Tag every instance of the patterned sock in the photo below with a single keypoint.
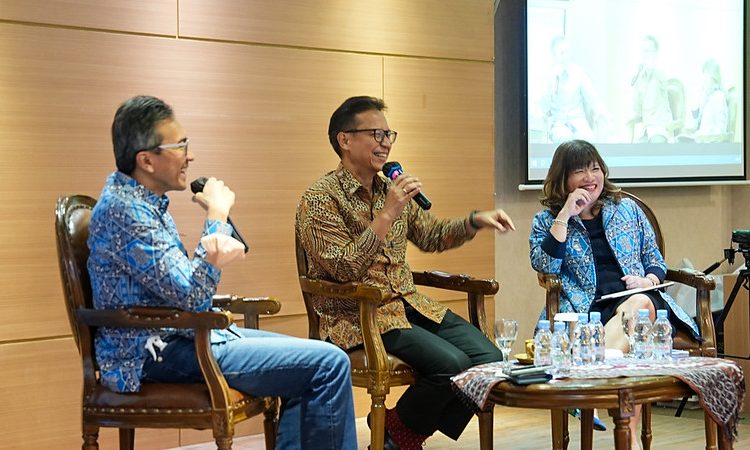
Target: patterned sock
[{"x": 401, "y": 434}]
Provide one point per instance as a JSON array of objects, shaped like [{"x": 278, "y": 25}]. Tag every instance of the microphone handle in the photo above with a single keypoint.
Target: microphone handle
[
  {"x": 423, "y": 201},
  {"x": 236, "y": 234}
]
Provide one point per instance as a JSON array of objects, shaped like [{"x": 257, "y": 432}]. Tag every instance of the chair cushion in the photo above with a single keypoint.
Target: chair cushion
[
  {"x": 684, "y": 341},
  {"x": 395, "y": 364},
  {"x": 160, "y": 396}
]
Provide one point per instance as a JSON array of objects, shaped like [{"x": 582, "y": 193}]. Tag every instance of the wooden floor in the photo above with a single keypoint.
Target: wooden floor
[{"x": 528, "y": 429}]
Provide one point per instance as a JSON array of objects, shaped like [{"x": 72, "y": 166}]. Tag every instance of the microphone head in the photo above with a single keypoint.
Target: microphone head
[
  {"x": 198, "y": 184},
  {"x": 392, "y": 169}
]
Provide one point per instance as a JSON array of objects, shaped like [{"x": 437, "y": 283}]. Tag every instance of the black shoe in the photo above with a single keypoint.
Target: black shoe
[{"x": 388, "y": 443}]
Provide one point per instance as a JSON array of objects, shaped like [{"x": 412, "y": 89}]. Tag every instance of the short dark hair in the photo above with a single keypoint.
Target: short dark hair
[
  {"x": 344, "y": 116},
  {"x": 134, "y": 128},
  {"x": 570, "y": 156},
  {"x": 652, "y": 39}
]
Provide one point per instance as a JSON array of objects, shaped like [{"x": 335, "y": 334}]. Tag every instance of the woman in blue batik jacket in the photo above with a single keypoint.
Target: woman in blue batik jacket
[{"x": 598, "y": 243}]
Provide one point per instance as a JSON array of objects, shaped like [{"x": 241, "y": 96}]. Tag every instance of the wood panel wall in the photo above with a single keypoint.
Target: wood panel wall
[{"x": 254, "y": 83}]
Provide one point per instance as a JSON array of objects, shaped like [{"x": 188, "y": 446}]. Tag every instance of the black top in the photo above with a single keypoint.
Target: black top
[{"x": 608, "y": 271}]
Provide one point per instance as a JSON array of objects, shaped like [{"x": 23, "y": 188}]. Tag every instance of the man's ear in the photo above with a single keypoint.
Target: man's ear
[
  {"x": 343, "y": 140},
  {"x": 143, "y": 161}
]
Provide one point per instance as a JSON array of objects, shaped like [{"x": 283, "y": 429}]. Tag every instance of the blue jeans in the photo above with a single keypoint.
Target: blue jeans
[{"x": 312, "y": 377}]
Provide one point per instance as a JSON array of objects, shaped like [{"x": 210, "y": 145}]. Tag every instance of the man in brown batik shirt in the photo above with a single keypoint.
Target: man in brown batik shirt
[{"x": 354, "y": 225}]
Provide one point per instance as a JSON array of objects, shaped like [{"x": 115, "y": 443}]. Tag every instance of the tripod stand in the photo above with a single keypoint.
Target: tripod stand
[{"x": 742, "y": 281}]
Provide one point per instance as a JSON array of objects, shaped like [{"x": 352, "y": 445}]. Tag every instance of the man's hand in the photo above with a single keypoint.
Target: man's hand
[
  {"x": 403, "y": 189},
  {"x": 497, "y": 219},
  {"x": 217, "y": 199}
]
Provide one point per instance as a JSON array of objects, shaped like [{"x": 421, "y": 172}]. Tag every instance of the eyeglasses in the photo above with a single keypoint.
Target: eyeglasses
[
  {"x": 378, "y": 133},
  {"x": 182, "y": 145}
]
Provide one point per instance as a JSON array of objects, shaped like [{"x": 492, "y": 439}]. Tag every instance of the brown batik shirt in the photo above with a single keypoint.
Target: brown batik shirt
[{"x": 333, "y": 224}]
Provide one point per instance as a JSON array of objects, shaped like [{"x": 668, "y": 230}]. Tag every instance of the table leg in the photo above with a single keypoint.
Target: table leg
[
  {"x": 724, "y": 441},
  {"x": 559, "y": 429},
  {"x": 587, "y": 429},
  {"x": 621, "y": 416},
  {"x": 646, "y": 435},
  {"x": 622, "y": 432},
  {"x": 486, "y": 419}
]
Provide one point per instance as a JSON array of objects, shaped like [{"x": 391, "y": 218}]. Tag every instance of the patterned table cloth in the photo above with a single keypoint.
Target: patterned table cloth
[{"x": 719, "y": 383}]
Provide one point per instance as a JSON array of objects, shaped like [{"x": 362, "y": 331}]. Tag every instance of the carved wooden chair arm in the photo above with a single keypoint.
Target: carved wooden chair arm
[
  {"x": 703, "y": 284},
  {"x": 352, "y": 290},
  {"x": 250, "y": 307},
  {"x": 456, "y": 282},
  {"x": 144, "y": 317},
  {"x": 201, "y": 322},
  {"x": 552, "y": 285},
  {"x": 475, "y": 288},
  {"x": 698, "y": 280},
  {"x": 368, "y": 298}
]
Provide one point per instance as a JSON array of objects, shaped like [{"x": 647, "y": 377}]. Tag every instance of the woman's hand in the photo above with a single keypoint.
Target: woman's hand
[
  {"x": 576, "y": 202},
  {"x": 634, "y": 282}
]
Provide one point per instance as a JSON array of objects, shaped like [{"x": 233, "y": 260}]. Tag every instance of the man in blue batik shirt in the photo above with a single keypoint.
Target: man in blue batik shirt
[{"x": 137, "y": 259}]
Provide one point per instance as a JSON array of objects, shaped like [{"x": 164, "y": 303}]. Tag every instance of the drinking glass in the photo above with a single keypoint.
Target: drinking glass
[
  {"x": 628, "y": 323},
  {"x": 506, "y": 331}
]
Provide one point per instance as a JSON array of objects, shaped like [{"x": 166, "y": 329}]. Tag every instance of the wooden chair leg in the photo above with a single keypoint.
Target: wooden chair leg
[
  {"x": 486, "y": 425},
  {"x": 90, "y": 438},
  {"x": 223, "y": 443},
  {"x": 646, "y": 434},
  {"x": 270, "y": 427},
  {"x": 377, "y": 422},
  {"x": 127, "y": 438},
  {"x": 711, "y": 435}
]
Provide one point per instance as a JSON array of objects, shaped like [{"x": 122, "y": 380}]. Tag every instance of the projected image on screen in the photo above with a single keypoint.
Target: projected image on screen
[{"x": 656, "y": 85}]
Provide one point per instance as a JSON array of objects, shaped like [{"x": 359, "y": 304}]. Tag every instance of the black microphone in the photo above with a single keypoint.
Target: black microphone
[
  {"x": 392, "y": 170},
  {"x": 638, "y": 74},
  {"x": 197, "y": 186}
]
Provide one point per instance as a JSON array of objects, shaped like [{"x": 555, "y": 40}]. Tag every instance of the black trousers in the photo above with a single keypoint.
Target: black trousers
[{"x": 437, "y": 352}]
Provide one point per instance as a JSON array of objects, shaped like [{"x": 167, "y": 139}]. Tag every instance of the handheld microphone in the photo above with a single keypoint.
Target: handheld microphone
[
  {"x": 392, "y": 170},
  {"x": 637, "y": 74},
  {"x": 197, "y": 186}
]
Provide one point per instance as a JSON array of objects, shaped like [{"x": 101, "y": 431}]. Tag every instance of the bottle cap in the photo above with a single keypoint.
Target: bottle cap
[
  {"x": 559, "y": 326},
  {"x": 661, "y": 313},
  {"x": 595, "y": 316},
  {"x": 544, "y": 324},
  {"x": 583, "y": 318},
  {"x": 642, "y": 313}
]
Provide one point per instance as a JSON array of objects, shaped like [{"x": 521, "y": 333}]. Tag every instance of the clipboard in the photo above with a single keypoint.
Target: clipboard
[{"x": 634, "y": 291}]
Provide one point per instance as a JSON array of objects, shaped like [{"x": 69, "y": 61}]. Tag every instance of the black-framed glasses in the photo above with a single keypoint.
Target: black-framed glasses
[
  {"x": 378, "y": 133},
  {"x": 182, "y": 145}
]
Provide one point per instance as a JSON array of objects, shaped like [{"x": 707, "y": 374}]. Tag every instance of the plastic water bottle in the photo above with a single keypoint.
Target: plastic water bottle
[
  {"x": 642, "y": 336},
  {"x": 597, "y": 336},
  {"x": 560, "y": 351},
  {"x": 582, "y": 353},
  {"x": 542, "y": 344},
  {"x": 661, "y": 336}
]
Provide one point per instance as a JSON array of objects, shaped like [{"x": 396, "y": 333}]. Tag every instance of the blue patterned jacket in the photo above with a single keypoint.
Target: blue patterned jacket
[
  {"x": 137, "y": 259},
  {"x": 633, "y": 244}
]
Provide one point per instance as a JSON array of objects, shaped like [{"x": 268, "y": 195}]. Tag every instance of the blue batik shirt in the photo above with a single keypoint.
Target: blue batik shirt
[{"x": 137, "y": 259}]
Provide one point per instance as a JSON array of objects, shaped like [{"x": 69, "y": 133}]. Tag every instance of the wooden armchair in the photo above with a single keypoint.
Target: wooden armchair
[
  {"x": 212, "y": 404},
  {"x": 684, "y": 341},
  {"x": 372, "y": 367}
]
